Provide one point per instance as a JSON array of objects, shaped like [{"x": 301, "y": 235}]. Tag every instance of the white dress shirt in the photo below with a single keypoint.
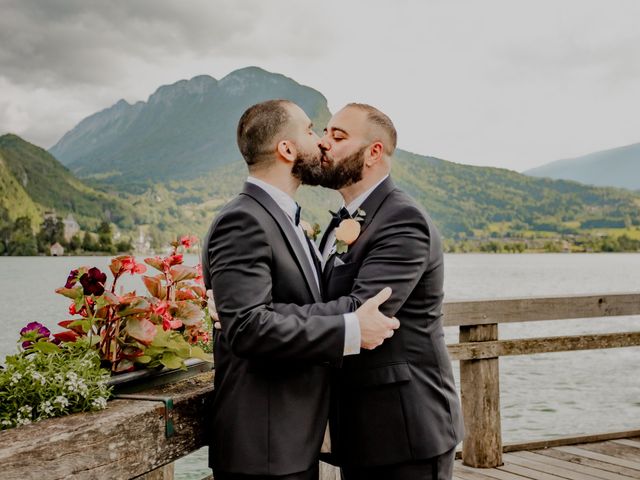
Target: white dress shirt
[
  {"x": 289, "y": 206},
  {"x": 353, "y": 206}
]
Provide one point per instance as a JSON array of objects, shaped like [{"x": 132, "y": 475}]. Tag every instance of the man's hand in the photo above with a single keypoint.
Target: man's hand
[
  {"x": 213, "y": 313},
  {"x": 375, "y": 328}
]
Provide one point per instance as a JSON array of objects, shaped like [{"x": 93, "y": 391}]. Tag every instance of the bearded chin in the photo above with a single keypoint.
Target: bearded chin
[
  {"x": 346, "y": 172},
  {"x": 308, "y": 169}
]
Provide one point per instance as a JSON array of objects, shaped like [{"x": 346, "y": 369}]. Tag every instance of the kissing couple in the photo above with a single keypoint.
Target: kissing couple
[{"x": 332, "y": 351}]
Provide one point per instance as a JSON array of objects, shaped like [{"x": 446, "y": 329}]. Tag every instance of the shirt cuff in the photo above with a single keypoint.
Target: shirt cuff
[{"x": 351, "y": 334}]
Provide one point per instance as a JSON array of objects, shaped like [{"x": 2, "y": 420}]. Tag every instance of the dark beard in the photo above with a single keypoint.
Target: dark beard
[
  {"x": 345, "y": 173},
  {"x": 307, "y": 168}
]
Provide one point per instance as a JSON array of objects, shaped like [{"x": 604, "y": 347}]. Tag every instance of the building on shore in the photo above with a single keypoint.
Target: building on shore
[
  {"x": 56, "y": 250},
  {"x": 71, "y": 227}
]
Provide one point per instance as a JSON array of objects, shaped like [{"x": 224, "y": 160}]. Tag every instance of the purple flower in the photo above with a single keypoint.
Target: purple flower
[
  {"x": 71, "y": 279},
  {"x": 32, "y": 333},
  {"x": 93, "y": 282}
]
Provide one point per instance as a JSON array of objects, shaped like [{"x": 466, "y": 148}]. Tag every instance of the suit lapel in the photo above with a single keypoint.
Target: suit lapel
[
  {"x": 371, "y": 205},
  {"x": 264, "y": 199}
]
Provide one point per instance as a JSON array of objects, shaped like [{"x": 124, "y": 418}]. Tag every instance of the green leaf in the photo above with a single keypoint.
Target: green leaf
[
  {"x": 341, "y": 247},
  {"x": 197, "y": 352},
  {"x": 154, "y": 285},
  {"x": 155, "y": 263},
  {"x": 143, "y": 359},
  {"x": 171, "y": 360},
  {"x": 141, "y": 329},
  {"x": 46, "y": 347},
  {"x": 189, "y": 313},
  {"x": 72, "y": 293},
  {"x": 139, "y": 305},
  {"x": 183, "y": 272}
]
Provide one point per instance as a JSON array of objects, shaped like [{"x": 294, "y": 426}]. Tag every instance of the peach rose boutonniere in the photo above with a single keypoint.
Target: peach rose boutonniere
[
  {"x": 348, "y": 231},
  {"x": 311, "y": 231}
]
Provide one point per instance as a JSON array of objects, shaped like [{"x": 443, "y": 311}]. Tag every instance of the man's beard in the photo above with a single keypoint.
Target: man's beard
[
  {"x": 307, "y": 168},
  {"x": 345, "y": 173}
]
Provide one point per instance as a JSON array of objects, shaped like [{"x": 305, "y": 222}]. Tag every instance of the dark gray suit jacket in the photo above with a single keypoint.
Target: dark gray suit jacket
[
  {"x": 398, "y": 402},
  {"x": 271, "y": 398}
]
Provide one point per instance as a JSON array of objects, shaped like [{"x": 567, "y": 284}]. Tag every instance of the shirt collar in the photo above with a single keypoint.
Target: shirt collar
[
  {"x": 284, "y": 201},
  {"x": 359, "y": 200}
]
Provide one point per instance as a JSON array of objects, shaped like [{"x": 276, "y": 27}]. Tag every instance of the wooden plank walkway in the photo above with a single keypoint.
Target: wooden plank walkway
[{"x": 609, "y": 460}]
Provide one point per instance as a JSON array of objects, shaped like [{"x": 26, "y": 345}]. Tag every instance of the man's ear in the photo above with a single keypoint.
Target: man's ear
[
  {"x": 287, "y": 150},
  {"x": 374, "y": 153}
]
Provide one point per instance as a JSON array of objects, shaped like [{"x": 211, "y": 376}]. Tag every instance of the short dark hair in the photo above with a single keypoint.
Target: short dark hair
[
  {"x": 258, "y": 126},
  {"x": 379, "y": 119}
]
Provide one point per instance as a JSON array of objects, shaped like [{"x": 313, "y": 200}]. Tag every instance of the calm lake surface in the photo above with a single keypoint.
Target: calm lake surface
[{"x": 543, "y": 396}]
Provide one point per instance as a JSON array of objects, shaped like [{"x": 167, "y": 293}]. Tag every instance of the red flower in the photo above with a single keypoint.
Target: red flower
[
  {"x": 169, "y": 323},
  {"x": 199, "y": 278},
  {"x": 93, "y": 282},
  {"x": 129, "y": 265},
  {"x": 161, "y": 308},
  {"x": 188, "y": 241}
]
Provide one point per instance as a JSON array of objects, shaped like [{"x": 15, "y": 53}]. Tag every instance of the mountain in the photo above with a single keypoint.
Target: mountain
[
  {"x": 182, "y": 131},
  {"x": 617, "y": 167},
  {"x": 174, "y": 160},
  {"x": 33, "y": 181}
]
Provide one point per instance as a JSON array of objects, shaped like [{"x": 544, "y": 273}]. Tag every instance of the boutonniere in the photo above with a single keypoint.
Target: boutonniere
[
  {"x": 348, "y": 231},
  {"x": 310, "y": 231}
]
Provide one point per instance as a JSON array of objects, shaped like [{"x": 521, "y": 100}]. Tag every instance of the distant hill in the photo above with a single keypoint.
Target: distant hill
[
  {"x": 182, "y": 131},
  {"x": 174, "y": 160},
  {"x": 33, "y": 181},
  {"x": 618, "y": 167}
]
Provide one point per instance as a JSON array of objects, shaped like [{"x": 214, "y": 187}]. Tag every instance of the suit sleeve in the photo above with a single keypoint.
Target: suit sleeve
[
  {"x": 396, "y": 258},
  {"x": 239, "y": 260}
]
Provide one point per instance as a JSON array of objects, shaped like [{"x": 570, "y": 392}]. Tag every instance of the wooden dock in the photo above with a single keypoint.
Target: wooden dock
[
  {"x": 132, "y": 437},
  {"x": 608, "y": 460}
]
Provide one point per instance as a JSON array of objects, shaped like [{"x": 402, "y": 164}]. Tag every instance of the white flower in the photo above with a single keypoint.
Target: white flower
[
  {"x": 99, "y": 403},
  {"x": 39, "y": 378},
  {"x": 6, "y": 423},
  {"x": 25, "y": 409},
  {"x": 61, "y": 400},
  {"x": 22, "y": 421},
  {"x": 46, "y": 408},
  {"x": 15, "y": 378}
]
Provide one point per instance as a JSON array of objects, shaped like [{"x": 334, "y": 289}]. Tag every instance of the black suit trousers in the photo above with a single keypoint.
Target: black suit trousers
[{"x": 437, "y": 468}]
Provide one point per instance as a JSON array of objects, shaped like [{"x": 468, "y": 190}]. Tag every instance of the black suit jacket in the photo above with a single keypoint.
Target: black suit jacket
[
  {"x": 271, "y": 397},
  {"x": 398, "y": 402}
]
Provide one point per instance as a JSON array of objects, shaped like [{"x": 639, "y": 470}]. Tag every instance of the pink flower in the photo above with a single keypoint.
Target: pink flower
[
  {"x": 129, "y": 265},
  {"x": 169, "y": 323},
  {"x": 188, "y": 241}
]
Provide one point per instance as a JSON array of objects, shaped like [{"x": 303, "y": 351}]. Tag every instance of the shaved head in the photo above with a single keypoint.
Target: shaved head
[{"x": 380, "y": 126}]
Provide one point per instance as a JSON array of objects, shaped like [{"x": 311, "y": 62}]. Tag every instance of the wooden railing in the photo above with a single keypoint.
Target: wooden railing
[{"x": 130, "y": 440}]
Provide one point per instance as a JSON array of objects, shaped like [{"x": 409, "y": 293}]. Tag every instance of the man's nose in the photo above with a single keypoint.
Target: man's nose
[{"x": 324, "y": 143}]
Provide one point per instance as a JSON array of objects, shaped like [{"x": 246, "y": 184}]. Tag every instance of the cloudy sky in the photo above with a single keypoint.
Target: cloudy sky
[{"x": 506, "y": 83}]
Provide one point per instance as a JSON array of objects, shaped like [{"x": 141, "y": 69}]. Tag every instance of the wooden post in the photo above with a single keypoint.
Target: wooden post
[
  {"x": 163, "y": 473},
  {"x": 480, "y": 391}
]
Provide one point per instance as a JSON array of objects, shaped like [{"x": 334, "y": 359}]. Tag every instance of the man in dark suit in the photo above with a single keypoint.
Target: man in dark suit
[
  {"x": 398, "y": 414},
  {"x": 271, "y": 398},
  {"x": 395, "y": 413}
]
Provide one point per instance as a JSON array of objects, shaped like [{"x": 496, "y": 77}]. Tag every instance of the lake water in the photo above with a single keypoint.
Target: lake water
[{"x": 542, "y": 396}]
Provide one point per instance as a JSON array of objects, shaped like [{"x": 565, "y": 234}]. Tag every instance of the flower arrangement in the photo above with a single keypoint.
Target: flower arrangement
[
  {"x": 132, "y": 331},
  {"x": 66, "y": 372},
  {"x": 35, "y": 385}
]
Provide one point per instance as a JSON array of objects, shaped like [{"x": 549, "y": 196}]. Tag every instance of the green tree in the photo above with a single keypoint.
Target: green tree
[
  {"x": 88, "y": 243},
  {"x": 75, "y": 243},
  {"x": 105, "y": 242},
  {"x": 51, "y": 231},
  {"x": 22, "y": 240}
]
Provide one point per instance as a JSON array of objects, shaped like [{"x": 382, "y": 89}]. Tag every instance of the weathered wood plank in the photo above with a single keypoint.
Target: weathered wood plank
[
  {"x": 528, "y": 346},
  {"x": 480, "y": 392},
  {"x": 546, "y": 467},
  {"x": 486, "y": 472},
  {"x": 628, "y": 442},
  {"x": 581, "y": 460},
  {"x": 576, "y": 467},
  {"x": 483, "y": 312},
  {"x": 124, "y": 441},
  {"x": 615, "y": 450},
  {"x": 573, "y": 440},
  {"x": 528, "y": 472},
  {"x": 466, "y": 473},
  {"x": 329, "y": 472},
  {"x": 601, "y": 456}
]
